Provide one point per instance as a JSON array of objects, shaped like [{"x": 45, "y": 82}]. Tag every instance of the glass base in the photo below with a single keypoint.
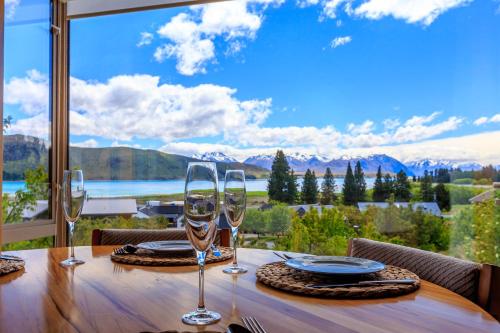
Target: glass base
[
  {"x": 71, "y": 262},
  {"x": 235, "y": 270},
  {"x": 201, "y": 317}
]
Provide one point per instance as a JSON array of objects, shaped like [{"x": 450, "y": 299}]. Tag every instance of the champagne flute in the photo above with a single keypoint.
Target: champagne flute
[
  {"x": 73, "y": 197},
  {"x": 201, "y": 209},
  {"x": 235, "y": 200}
]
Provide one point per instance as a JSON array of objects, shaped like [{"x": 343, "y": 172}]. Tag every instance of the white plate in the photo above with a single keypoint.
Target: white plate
[
  {"x": 174, "y": 246},
  {"x": 331, "y": 265}
]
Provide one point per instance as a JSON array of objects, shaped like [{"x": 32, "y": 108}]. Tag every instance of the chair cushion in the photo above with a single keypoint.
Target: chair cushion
[
  {"x": 136, "y": 236},
  {"x": 459, "y": 276}
]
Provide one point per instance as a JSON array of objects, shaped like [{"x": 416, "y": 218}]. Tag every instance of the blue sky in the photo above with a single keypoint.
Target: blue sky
[{"x": 413, "y": 79}]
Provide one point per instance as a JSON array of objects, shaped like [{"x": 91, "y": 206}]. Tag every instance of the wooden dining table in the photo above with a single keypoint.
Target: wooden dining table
[{"x": 104, "y": 296}]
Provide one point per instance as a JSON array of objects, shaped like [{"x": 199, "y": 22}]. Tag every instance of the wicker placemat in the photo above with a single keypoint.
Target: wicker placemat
[
  {"x": 9, "y": 266},
  {"x": 282, "y": 277},
  {"x": 155, "y": 260}
]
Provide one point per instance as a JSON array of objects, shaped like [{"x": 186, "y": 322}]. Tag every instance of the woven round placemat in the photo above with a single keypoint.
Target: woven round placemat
[
  {"x": 156, "y": 260},
  {"x": 9, "y": 266},
  {"x": 280, "y": 276}
]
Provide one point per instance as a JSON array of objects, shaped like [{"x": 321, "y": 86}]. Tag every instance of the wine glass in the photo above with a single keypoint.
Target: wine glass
[
  {"x": 201, "y": 209},
  {"x": 73, "y": 197},
  {"x": 235, "y": 201}
]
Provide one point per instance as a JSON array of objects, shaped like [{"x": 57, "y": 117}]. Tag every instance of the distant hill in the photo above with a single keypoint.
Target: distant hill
[
  {"x": 338, "y": 166},
  {"x": 22, "y": 153}
]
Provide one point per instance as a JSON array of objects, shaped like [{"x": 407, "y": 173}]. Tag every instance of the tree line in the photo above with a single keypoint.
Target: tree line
[{"x": 283, "y": 186}]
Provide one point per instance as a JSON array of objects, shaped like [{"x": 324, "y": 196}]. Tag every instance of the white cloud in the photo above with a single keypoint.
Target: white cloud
[
  {"x": 191, "y": 35},
  {"x": 390, "y": 124},
  {"x": 128, "y": 145},
  {"x": 30, "y": 92},
  {"x": 90, "y": 143},
  {"x": 330, "y": 8},
  {"x": 128, "y": 107},
  {"x": 480, "y": 121},
  {"x": 10, "y": 8},
  {"x": 35, "y": 126},
  {"x": 146, "y": 39},
  {"x": 411, "y": 11},
  {"x": 339, "y": 41},
  {"x": 306, "y": 3},
  {"x": 366, "y": 127},
  {"x": 484, "y": 120}
]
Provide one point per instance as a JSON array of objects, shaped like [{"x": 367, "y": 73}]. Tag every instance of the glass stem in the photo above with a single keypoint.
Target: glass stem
[
  {"x": 71, "y": 243},
  {"x": 201, "y": 282},
  {"x": 235, "y": 245}
]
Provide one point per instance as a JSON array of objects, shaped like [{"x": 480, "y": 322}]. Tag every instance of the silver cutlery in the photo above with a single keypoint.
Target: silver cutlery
[
  {"x": 253, "y": 325},
  {"x": 9, "y": 257},
  {"x": 236, "y": 328},
  {"x": 126, "y": 249},
  {"x": 283, "y": 256},
  {"x": 362, "y": 283}
]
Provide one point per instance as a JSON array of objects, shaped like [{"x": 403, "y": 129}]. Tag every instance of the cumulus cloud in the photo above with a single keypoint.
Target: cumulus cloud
[
  {"x": 484, "y": 120},
  {"x": 10, "y": 8},
  {"x": 129, "y": 107},
  {"x": 30, "y": 92},
  {"x": 146, "y": 39},
  {"x": 90, "y": 143},
  {"x": 411, "y": 11},
  {"x": 339, "y": 41},
  {"x": 191, "y": 36}
]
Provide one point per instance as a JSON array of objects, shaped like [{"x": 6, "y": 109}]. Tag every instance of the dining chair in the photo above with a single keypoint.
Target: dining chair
[
  {"x": 136, "y": 236},
  {"x": 457, "y": 275},
  {"x": 489, "y": 290}
]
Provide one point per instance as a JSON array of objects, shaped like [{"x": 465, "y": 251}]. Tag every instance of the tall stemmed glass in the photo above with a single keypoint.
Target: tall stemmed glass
[
  {"x": 235, "y": 201},
  {"x": 73, "y": 197},
  {"x": 201, "y": 209}
]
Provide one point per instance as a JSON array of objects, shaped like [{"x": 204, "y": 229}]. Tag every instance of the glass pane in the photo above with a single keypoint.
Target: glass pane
[
  {"x": 407, "y": 98},
  {"x": 27, "y": 141}
]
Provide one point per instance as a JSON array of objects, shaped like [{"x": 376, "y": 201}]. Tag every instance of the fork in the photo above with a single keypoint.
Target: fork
[{"x": 253, "y": 325}]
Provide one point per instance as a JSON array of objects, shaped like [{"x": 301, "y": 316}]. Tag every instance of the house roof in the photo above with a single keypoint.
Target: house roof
[
  {"x": 32, "y": 212},
  {"x": 109, "y": 206},
  {"x": 428, "y": 207}
]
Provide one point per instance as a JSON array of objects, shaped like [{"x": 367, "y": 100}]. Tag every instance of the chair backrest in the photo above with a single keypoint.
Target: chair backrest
[
  {"x": 136, "y": 236},
  {"x": 489, "y": 290},
  {"x": 459, "y": 276}
]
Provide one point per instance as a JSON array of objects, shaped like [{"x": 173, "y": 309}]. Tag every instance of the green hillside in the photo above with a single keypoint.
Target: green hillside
[{"x": 112, "y": 163}]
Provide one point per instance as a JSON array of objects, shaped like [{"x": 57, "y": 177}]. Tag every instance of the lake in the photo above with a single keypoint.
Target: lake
[{"x": 137, "y": 188}]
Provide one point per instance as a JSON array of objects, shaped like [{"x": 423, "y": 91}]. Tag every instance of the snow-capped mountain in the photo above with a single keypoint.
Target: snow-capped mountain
[
  {"x": 214, "y": 157},
  {"x": 301, "y": 162},
  {"x": 418, "y": 167}
]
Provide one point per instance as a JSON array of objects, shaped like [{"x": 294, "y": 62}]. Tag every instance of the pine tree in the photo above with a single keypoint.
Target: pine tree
[
  {"x": 309, "y": 193},
  {"x": 378, "y": 194},
  {"x": 426, "y": 190},
  {"x": 328, "y": 196},
  {"x": 292, "y": 188},
  {"x": 442, "y": 197},
  {"x": 402, "y": 191},
  {"x": 279, "y": 178},
  {"x": 414, "y": 178},
  {"x": 349, "y": 187},
  {"x": 388, "y": 186},
  {"x": 359, "y": 180}
]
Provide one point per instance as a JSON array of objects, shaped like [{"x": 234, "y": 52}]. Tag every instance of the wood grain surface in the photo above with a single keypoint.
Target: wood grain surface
[{"x": 103, "y": 296}]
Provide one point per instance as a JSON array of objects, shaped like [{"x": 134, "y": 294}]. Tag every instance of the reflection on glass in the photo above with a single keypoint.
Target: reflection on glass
[
  {"x": 201, "y": 209},
  {"x": 235, "y": 199}
]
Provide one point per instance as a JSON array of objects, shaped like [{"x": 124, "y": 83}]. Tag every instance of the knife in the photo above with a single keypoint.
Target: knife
[
  {"x": 362, "y": 283},
  {"x": 9, "y": 257}
]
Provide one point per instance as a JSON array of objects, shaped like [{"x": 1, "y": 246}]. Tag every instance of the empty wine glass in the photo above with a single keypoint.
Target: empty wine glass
[
  {"x": 73, "y": 198},
  {"x": 201, "y": 209},
  {"x": 235, "y": 200}
]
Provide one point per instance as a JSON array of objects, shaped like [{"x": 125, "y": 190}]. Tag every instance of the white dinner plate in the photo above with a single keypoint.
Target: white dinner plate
[
  {"x": 331, "y": 265},
  {"x": 173, "y": 246}
]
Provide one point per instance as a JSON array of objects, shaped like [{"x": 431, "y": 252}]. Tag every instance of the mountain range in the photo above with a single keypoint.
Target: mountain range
[{"x": 122, "y": 163}]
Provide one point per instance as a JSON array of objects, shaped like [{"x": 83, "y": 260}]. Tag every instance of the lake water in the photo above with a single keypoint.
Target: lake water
[{"x": 122, "y": 188}]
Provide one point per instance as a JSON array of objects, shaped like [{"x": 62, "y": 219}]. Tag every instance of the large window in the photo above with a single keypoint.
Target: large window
[
  {"x": 387, "y": 117},
  {"x": 27, "y": 136}
]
